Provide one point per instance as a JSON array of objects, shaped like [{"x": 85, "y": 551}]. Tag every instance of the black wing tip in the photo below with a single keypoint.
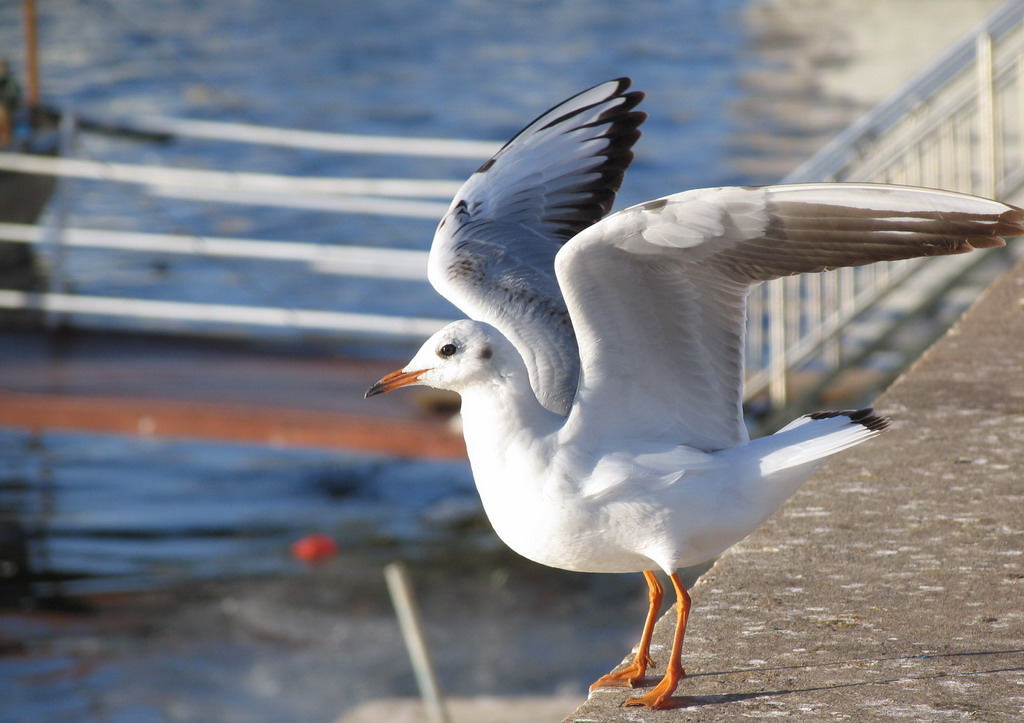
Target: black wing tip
[
  {"x": 622, "y": 84},
  {"x": 865, "y": 417},
  {"x": 632, "y": 98},
  {"x": 623, "y": 123},
  {"x": 619, "y": 117},
  {"x": 623, "y": 131},
  {"x": 618, "y": 124}
]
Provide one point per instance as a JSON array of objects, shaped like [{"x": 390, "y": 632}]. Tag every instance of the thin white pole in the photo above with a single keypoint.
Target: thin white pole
[
  {"x": 236, "y": 181},
  {"x": 413, "y": 328},
  {"x": 777, "y": 365},
  {"x": 317, "y": 140},
  {"x": 402, "y": 598},
  {"x": 364, "y": 261},
  {"x": 340, "y": 204}
]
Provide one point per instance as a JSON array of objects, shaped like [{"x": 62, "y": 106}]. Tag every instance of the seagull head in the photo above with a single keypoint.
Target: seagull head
[{"x": 463, "y": 354}]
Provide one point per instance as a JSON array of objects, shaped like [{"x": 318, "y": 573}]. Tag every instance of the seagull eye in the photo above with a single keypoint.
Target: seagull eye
[{"x": 447, "y": 350}]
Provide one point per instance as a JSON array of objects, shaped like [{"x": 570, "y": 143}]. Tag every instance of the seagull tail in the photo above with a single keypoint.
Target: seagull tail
[{"x": 813, "y": 437}]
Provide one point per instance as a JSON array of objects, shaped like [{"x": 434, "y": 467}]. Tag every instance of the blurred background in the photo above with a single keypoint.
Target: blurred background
[{"x": 163, "y": 446}]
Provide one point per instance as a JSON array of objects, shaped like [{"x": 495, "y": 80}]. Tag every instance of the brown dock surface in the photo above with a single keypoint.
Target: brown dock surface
[{"x": 168, "y": 386}]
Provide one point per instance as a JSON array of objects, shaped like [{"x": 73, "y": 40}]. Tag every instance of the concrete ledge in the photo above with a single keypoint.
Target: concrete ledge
[
  {"x": 892, "y": 584},
  {"x": 462, "y": 710}
]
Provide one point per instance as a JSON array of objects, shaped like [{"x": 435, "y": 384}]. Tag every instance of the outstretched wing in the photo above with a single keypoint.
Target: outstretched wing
[
  {"x": 657, "y": 292},
  {"x": 493, "y": 253}
]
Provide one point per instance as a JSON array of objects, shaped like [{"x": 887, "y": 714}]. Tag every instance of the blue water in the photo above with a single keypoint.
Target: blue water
[
  {"x": 156, "y": 583},
  {"x": 175, "y": 554},
  {"x": 413, "y": 68},
  {"x": 104, "y": 514}
]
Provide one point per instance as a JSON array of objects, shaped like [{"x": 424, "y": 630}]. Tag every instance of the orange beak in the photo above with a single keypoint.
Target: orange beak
[{"x": 394, "y": 380}]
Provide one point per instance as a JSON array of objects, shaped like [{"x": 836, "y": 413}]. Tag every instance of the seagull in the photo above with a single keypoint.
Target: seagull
[{"x": 601, "y": 369}]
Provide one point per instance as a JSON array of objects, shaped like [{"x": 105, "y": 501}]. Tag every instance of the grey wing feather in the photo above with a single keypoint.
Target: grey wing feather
[
  {"x": 657, "y": 292},
  {"x": 493, "y": 253}
]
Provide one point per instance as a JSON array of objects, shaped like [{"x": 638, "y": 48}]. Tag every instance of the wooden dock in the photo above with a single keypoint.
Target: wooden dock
[{"x": 166, "y": 386}]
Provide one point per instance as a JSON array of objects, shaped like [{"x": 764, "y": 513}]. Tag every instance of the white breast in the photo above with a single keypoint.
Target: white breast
[{"x": 540, "y": 504}]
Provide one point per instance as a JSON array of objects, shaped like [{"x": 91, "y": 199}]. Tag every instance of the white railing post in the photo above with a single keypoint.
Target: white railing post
[
  {"x": 986, "y": 117},
  {"x": 777, "y": 363}
]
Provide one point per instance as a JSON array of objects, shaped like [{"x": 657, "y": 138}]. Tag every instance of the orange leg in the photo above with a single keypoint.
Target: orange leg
[
  {"x": 633, "y": 673},
  {"x": 660, "y": 695}
]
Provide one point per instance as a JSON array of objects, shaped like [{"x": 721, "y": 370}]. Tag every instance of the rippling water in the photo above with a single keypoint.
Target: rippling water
[{"x": 456, "y": 69}]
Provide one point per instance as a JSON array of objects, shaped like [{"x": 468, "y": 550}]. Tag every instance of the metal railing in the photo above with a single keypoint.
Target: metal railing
[
  {"x": 394, "y": 197},
  {"x": 958, "y": 125}
]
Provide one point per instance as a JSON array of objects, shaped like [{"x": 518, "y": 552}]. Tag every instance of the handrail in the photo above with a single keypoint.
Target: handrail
[
  {"x": 956, "y": 125},
  {"x": 378, "y": 325},
  {"x": 364, "y": 261},
  {"x": 380, "y": 196},
  {"x": 311, "y": 140},
  {"x": 225, "y": 180}
]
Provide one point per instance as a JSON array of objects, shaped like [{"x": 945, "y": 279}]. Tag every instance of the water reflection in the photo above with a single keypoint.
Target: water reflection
[
  {"x": 98, "y": 513},
  {"x": 155, "y": 573}
]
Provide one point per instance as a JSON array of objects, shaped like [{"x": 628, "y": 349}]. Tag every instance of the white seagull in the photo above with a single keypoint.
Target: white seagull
[{"x": 602, "y": 373}]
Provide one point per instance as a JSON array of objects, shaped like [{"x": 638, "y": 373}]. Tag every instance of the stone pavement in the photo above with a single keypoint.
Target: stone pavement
[{"x": 891, "y": 586}]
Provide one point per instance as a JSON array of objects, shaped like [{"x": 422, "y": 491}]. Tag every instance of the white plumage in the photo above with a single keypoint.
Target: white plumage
[{"x": 602, "y": 376}]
